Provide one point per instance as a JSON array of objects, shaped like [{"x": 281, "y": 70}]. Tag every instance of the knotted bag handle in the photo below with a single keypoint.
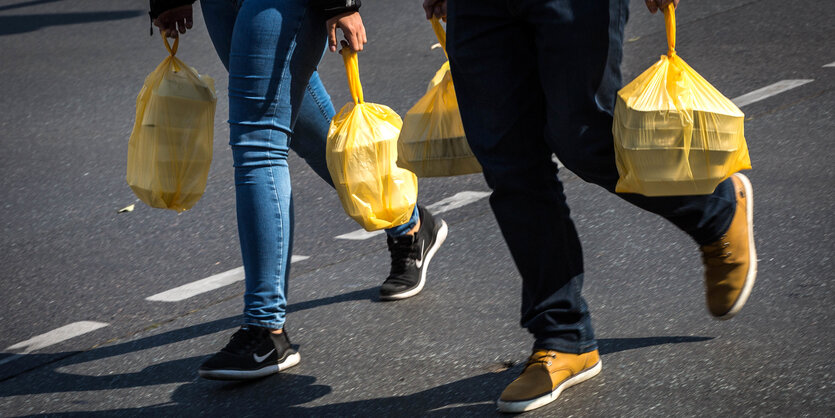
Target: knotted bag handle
[
  {"x": 440, "y": 33},
  {"x": 172, "y": 50},
  {"x": 349, "y": 56},
  {"x": 670, "y": 23}
]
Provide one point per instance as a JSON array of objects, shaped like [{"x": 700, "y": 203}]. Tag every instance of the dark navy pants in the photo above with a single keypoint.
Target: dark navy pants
[{"x": 536, "y": 77}]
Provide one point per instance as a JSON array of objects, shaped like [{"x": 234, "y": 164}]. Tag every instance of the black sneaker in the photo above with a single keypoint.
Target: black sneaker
[
  {"x": 410, "y": 256},
  {"x": 252, "y": 352}
]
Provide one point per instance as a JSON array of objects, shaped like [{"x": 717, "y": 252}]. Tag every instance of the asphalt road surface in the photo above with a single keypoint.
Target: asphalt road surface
[{"x": 95, "y": 319}]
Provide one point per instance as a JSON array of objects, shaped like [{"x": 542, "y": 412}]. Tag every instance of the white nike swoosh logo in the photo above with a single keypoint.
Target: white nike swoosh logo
[
  {"x": 419, "y": 263},
  {"x": 259, "y": 359}
]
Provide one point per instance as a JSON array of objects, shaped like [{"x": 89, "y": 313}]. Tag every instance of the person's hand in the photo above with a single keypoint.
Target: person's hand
[
  {"x": 656, "y": 5},
  {"x": 352, "y": 29},
  {"x": 436, "y": 8},
  {"x": 173, "y": 20}
]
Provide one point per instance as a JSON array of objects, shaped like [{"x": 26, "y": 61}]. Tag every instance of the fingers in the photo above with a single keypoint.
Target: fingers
[
  {"x": 332, "y": 35},
  {"x": 428, "y": 8},
  {"x": 344, "y": 44},
  {"x": 435, "y": 8},
  {"x": 656, "y": 5},
  {"x": 354, "y": 38},
  {"x": 360, "y": 37},
  {"x": 352, "y": 28}
]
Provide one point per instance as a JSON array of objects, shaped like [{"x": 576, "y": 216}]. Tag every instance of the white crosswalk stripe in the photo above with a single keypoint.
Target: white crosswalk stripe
[
  {"x": 444, "y": 205},
  {"x": 51, "y": 338},
  {"x": 769, "y": 91},
  {"x": 208, "y": 284}
]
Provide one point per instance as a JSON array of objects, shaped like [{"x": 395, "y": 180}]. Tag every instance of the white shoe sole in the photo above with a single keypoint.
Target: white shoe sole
[
  {"x": 752, "y": 252},
  {"x": 290, "y": 361},
  {"x": 442, "y": 233},
  {"x": 522, "y": 406}
]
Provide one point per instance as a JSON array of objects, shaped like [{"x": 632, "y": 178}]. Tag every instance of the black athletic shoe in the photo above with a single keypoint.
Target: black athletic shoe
[
  {"x": 410, "y": 256},
  {"x": 252, "y": 352}
]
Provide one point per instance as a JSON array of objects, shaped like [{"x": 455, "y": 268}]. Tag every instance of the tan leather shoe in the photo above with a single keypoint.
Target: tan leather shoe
[
  {"x": 731, "y": 262},
  {"x": 545, "y": 376}
]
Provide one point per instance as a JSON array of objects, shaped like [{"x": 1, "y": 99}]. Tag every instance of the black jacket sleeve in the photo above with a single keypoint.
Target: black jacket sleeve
[
  {"x": 159, "y": 6},
  {"x": 331, "y": 8}
]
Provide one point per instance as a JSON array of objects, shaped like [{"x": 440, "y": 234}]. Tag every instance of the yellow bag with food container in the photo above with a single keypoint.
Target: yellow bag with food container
[
  {"x": 432, "y": 142},
  {"x": 361, "y": 157},
  {"x": 675, "y": 134},
  {"x": 170, "y": 147}
]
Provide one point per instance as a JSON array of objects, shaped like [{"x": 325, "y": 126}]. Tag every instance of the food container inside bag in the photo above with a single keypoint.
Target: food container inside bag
[
  {"x": 170, "y": 149},
  {"x": 675, "y": 134},
  {"x": 432, "y": 142},
  {"x": 361, "y": 157}
]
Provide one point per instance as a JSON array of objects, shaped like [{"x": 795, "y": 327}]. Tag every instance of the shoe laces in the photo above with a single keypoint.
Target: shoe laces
[
  {"x": 717, "y": 252},
  {"x": 243, "y": 340},
  {"x": 547, "y": 359}
]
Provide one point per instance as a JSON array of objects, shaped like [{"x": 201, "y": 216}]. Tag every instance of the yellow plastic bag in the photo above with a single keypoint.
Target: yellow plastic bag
[
  {"x": 362, "y": 155},
  {"x": 170, "y": 148},
  {"x": 432, "y": 142},
  {"x": 675, "y": 134}
]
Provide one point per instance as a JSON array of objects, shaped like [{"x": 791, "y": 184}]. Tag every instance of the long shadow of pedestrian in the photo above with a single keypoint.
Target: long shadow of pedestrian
[
  {"x": 26, "y": 4},
  {"x": 15, "y": 24},
  {"x": 61, "y": 383},
  {"x": 286, "y": 393}
]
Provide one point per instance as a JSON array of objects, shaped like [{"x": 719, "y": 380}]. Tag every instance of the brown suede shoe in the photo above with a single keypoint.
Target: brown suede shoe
[
  {"x": 731, "y": 262},
  {"x": 545, "y": 376}
]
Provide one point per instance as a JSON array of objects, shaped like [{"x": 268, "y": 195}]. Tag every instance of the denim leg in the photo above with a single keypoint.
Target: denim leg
[
  {"x": 580, "y": 46},
  {"x": 493, "y": 61},
  {"x": 311, "y": 128},
  {"x": 271, "y": 49},
  {"x": 310, "y": 134}
]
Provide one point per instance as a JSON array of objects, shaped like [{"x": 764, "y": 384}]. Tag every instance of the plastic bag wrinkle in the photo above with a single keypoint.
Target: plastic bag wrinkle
[{"x": 675, "y": 134}]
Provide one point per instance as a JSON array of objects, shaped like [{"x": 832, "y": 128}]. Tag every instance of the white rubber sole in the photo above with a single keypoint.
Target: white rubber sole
[
  {"x": 522, "y": 406},
  {"x": 752, "y": 252},
  {"x": 442, "y": 233},
  {"x": 290, "y": 361}
]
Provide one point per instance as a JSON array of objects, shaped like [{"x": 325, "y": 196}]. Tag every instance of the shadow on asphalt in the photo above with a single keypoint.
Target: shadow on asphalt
[
  {"x": 284, "y": 394},
  {"x": 30, "y": 361},
  {"x": 15, "y": 24},
  {"x": 26, "y": 4}
]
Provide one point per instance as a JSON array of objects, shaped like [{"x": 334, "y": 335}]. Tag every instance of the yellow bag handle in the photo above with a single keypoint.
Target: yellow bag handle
[
  {"x": 440, "y": 33},
  {"x": 172, "y": 49},
  {"x": 349, "y": 56},
  {"x": 670, "y": 23}
]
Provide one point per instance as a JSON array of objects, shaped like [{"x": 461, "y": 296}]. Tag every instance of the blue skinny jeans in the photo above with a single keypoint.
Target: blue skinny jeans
[
  {"x": 536, "y": 77},
  {"x": 277, "y": 102}
]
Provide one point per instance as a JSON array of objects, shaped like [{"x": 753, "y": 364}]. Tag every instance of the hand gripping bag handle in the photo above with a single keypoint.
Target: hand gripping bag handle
[
  {"x": 349, "y": 56},
  {"x": 440, "y": 33}
]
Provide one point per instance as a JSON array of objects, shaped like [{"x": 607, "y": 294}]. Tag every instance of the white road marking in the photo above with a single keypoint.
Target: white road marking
[
  {"x": 768, "y": 91},
  {"x": 208, "y": 284},
  {"x": 456, "y": 201},
  {"x": 444, "y": 205},
  {"x": 832, "y": 64},
  {"x": 51, "y": 338}
]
